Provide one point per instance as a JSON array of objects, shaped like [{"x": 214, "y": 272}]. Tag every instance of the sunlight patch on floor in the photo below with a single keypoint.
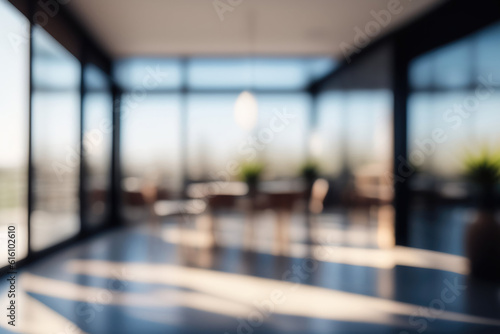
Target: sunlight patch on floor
[{"x": 298, "y": 299}]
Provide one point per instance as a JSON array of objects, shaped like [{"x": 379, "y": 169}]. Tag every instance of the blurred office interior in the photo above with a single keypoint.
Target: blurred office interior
[{"x": 240, "y": 166}]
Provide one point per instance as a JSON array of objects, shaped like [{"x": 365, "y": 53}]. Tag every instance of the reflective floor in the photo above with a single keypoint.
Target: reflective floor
[{"x": 161, "y": 278}]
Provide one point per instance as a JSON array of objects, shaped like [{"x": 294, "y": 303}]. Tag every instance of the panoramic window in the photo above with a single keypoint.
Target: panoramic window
[
  {"x": 97, "y": 140},
  {"x": 453, "y": 111},
  {"x": 364, "y": 121},
  {"x": 14, "y": 107},
  {"x": 442, "y": 81},
  {"x": 256, "y": 73},
  {"x": 151, "y": 151},
  {"x": 55, "y": 142},
  {"x": 138, "y": 74}
]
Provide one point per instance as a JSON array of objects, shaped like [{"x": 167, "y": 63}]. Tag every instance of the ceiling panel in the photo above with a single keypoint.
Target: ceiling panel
[{"x": 265, "y": 27}]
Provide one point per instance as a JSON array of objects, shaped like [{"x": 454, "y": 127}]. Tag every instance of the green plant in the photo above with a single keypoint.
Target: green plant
[
  {"x": 310, "y": 170},
  {"x": 483, "y": 168},
  {"x": 250, "y": 172}
]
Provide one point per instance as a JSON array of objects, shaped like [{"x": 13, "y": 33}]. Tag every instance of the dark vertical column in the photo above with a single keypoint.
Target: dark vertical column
[
  {"x": 82, "y": 176},
  {"x": 311, "y": 128},
  {"x": 115, "y": 216},
  {"x": 184, "y": 126},
  {"x": 30, "y": 130},
  {"x": 402, "y": 171},
  {"x": 346, "y": 165}
]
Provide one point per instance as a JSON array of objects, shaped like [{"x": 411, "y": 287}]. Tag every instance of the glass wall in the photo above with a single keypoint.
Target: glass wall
[
  {"x": 55, "y": 142},
  {"x": 41, "y": 131},
  {"x": 97, "y": 145},
  {"x": 151, "y": 130},
  {"x": 40, "y": 148},
  {"x": 454, "y": 110},
  {"x": 453, "y": 89},
  {"x": 14, "y": 108},
  {"x": 356, "y": 127},
  {"x": 179, "y": 124},
  {"x": 256, "y": 73},
  {"x": 278, "y": 139},
  {"x": 283, "y": 133},
  {"x": 353, "y": 136},
  {"x": 151, "y": 151},
  {"x": 213, "y": 137},
  {"x": 354, "y": 139}
]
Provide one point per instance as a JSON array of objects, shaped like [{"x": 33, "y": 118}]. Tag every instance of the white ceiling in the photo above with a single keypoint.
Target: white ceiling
[{"x": 266, "y": 27}]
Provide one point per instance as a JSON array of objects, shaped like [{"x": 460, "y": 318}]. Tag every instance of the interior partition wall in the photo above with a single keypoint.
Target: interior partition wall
[{"x": 58, "y": 130}]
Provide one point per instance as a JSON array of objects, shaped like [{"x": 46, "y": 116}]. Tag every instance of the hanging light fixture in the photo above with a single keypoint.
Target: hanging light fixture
[
  {"x": 246, "y": 109},
  {"x": 315, "y": 145}
]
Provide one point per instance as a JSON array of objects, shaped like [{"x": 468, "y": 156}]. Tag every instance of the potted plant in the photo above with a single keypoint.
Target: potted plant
[
  {"x": 309, "y": 172},
  {"x": 483, "y": 235},
  {"x": 250, "y": 173}
]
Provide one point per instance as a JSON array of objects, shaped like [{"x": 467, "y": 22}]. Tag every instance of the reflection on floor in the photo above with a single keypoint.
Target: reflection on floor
[
  {"x": 169, "y": 280},
  {"x": 440, "y": 228}
]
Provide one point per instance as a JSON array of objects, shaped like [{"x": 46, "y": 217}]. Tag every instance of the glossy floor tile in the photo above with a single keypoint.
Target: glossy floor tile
[{"x": 167, "y": 279}]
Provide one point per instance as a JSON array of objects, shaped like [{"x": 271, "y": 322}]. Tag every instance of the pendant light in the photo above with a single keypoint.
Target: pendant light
[{"x": 246, "y": 108}]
